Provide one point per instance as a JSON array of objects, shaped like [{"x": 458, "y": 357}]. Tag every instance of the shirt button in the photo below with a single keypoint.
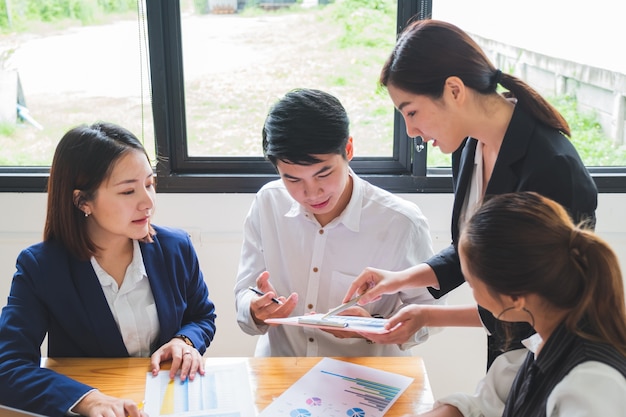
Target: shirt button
[
  {"x": 315, "y": 269},
  {"x": 321, "y": 232},
  {"x": 310, "y": 306},
  {"x": 311, "y": 339}
]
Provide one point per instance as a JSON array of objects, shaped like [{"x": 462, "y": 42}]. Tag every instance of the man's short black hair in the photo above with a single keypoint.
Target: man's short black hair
[{"x": 305, "y": 122}]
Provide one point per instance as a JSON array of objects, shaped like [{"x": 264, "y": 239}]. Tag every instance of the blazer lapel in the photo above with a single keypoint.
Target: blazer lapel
[
  {"x": 466, "y": 167},
  {"x": 97, "y": 312},
  {"x": 162, "y": 291}
]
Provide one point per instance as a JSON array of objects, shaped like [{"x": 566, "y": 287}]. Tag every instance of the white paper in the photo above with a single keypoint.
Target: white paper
[
  {"x": 335, "y": 388},
  {"x": 223, "y": 391},
  {"x": 346, "y": 323}
]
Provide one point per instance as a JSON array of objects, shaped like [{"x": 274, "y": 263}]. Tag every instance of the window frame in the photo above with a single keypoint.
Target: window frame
[
  {"x": 405, "y": 171},
  {"x": 180, "y": 172}
]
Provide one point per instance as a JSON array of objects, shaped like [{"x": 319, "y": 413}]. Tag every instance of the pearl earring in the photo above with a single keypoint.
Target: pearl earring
[{"x": 87, "y": 214}]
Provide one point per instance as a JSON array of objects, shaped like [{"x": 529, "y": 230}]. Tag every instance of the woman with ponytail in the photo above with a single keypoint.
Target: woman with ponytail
[
  {"x": 446, "y": 89},
  {"x": 565, "y": 282}
]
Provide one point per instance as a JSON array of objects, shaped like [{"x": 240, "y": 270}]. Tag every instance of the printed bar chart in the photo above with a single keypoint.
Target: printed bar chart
[
  {"x": 335, "y": 388},
  {"x": 372, "y": 394}
]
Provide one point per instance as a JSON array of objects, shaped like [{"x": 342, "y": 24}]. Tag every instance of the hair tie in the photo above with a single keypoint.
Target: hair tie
[
  {"x": 575, "y": 250},
  {"x": 495, "y": 79}
]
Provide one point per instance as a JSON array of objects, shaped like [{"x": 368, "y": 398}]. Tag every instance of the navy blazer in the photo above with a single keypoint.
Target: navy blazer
[
  {"x": 56, "y": 294},
  {"x": 533, "y": 157}
]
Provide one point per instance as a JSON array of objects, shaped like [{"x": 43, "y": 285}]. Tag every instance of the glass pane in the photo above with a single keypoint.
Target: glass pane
[
  {"x": 240, "y": 57},
  {"x": 60, "y": 68},
  {"x": 562, "y": 48}
]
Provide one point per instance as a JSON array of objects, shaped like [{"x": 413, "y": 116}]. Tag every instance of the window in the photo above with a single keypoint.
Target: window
[
  {"x": 216, "y": 66},
  {"x": 224, "y": 114},
  {"x": 59, "y": 69}
]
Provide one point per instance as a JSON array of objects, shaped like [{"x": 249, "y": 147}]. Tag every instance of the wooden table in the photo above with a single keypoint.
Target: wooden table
[{"x": 269, "y": 377}]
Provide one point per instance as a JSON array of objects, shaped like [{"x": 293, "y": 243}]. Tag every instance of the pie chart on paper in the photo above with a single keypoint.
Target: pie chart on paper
[
  {"x": 355, "y": 412},
  {"x": 300, "y": 412},
  {"x": 314, "y": 401}
]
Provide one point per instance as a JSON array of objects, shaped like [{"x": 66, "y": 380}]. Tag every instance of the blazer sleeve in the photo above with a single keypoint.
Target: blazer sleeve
[
  {"x": 447, "y": 267},
  {"x": 23, "y": 326},
  {"x": 446, "y": 263},
  {"x": 199, "y": 317},
  {"x": 565, "y": 180},
  {"x": 179, "y": 289}
]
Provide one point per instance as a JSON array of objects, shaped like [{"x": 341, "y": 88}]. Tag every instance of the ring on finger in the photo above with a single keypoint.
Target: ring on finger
[{"x": 187, "y": 352}]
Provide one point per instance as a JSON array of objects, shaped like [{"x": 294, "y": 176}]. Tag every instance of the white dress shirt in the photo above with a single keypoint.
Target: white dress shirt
[
  {"x": 591, "y": 389},
  {"x": 132, "y": 305},
  {"x": 475, "y": 194},
  {"x": 319, "y": 263}
]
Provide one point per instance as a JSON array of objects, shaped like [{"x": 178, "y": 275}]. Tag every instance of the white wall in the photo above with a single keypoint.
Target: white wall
[{"x": 455, "y": 358}]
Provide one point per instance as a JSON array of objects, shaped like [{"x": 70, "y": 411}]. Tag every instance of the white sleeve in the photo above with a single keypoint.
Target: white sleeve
[
  {"x": 493, "y": 390},
  {"x": 251, "y": 264},
  {"x": 591, "y": 389}
]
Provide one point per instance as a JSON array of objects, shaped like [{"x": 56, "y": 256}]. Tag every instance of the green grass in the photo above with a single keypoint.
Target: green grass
[{"x": 593, "y": 145}]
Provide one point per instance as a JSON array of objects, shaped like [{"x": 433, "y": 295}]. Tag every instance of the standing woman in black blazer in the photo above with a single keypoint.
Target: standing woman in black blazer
[{"x": 445, "y": 87}]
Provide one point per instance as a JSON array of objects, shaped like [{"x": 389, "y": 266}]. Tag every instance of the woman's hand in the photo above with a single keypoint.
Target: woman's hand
[
  {"x": 373, "y": 282},
  {"x": 96, "y": 404},
  {"x": 402, "y": 325},
  {"x": 185, "y": 358},
  {"x": 411, "y": 318}
]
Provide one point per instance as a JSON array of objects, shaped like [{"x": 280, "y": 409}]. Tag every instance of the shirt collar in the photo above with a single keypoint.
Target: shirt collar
[
  {"x": 532, "y": 343},
  {"x": 135, "y": 272}
]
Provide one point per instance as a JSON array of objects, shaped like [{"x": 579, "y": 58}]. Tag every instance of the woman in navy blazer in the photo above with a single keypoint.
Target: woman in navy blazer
[
  {"x": 103, "y": 283},
  {"x": 446, "y": 89}
]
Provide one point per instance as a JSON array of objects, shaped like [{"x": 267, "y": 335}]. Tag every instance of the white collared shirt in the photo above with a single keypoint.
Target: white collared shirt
[
  {"x": 590, "y": 389},
  {"x": 132, "y": 305},
  {"x": 376, "y": 229},
  {"x": 475, "y": 193}
]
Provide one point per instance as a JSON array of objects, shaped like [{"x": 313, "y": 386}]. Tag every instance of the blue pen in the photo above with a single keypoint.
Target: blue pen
[{"x": 261, "y": 293}]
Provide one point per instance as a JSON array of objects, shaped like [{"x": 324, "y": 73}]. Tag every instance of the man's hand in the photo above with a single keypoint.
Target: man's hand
[{"x": 263, "y": 307}]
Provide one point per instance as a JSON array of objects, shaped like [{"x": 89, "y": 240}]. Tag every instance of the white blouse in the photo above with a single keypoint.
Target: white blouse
[
  {"x": 132, "y": 305},
  {"x": 591, "y": 389},
  {"x": 475, "y": 193}
]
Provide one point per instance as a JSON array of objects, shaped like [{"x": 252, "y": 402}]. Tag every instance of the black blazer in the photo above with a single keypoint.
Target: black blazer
[{"x": 533, "y": 157}]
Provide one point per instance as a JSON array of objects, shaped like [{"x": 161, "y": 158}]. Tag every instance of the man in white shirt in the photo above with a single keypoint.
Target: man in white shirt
[{"x": 310, "y": 233}]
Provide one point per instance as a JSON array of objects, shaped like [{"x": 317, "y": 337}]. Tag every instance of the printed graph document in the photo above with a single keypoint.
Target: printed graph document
[
  {"x": 335, "y": 388},
  {"x": 348, "y": 323},
  {"x": 224, "y": 391}
]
